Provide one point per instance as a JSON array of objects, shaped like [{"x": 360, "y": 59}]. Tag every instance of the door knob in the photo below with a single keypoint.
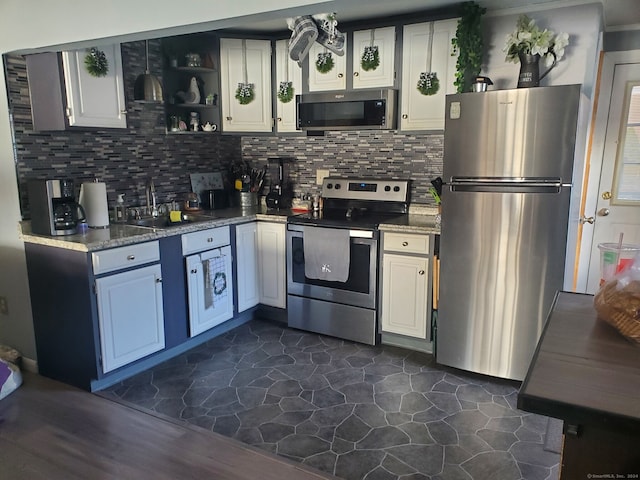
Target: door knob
[
  {"x": 603, "y": 212},
  {"x": 606, "y": 195},
  {"x": 584, "y": 220}
]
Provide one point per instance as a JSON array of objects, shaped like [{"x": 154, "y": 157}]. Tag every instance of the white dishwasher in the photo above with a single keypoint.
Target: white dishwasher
[{"x": 209, "y": 278}]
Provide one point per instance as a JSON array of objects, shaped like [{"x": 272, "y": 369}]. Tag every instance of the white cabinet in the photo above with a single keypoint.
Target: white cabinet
[
  {"x": 63, "y": 94},
  {"x": 405, "y": 285},
  {"x": 247, "y": 265},
  {"x": 384, "y": 74},
  {"x": 335, "y": 79},
  {"x": 253, "y": 57},
  {"x": 286, "y": 71},
  {"x": 209, "y": 278},
  {"x": 130, "y": 313},
  {"x": 272, "y": 276},
  {"x": 94, "y": 101},
  {"x": 426, "y": 112}
]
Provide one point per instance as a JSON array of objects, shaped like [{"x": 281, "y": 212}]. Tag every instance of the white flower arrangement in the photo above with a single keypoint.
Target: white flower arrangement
[{"x": 529, "y": 39}]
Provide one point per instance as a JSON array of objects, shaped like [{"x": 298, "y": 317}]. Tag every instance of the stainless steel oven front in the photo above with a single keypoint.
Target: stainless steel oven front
[{"x": 340, "y": 309}]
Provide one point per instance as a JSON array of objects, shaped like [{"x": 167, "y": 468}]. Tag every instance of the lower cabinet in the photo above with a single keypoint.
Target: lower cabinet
[
  {"x": 272, "y": 264},
  {"x": 405, "y": 299},
  {"x": 130, "y": 315},
  {"x": 261, "y": 265}
]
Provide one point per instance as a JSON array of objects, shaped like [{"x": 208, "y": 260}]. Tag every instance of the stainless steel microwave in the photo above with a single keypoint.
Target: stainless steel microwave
[{"x": 354, "y": 110}]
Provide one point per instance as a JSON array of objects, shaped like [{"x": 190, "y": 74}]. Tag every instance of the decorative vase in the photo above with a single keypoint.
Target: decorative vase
[{"x": 530, "y": 70}]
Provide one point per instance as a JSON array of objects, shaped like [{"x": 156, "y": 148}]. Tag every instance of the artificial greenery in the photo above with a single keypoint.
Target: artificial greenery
[
  {"x": 244, "y": 93},
  {"x": 468, "y": 45},
  {"x": 370, "y": 58},
  {"x": 96, "y": 63},
  {"x": 285, "y": 92},
  {"x": 529, "y": 39},
  {"x": 428, "y": 83},
  {"x": 324, "y": 63}
]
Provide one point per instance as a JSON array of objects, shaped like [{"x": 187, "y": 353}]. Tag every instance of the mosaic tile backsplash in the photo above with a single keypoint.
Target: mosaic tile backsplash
[{"x": 126, "y": 159}]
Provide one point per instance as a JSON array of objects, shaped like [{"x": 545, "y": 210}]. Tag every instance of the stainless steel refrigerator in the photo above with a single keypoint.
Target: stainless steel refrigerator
[{"x": 508, "y": 162}]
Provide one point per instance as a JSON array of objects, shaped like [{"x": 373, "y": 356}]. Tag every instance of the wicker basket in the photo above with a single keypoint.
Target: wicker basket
[{"x": 620, "y": 307}]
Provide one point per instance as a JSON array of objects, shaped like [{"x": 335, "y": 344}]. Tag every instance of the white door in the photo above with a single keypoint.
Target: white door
[
  {"x": 286, "y": 71},
  {"x": 272, "y": 271},
  {"x": 334, "y": 79},
  {"x": 130, "y": 315},
  {"x": 247, "y": 265},
  {"x": 618, "y": 206},
  {"x": 384, "y": 74}
]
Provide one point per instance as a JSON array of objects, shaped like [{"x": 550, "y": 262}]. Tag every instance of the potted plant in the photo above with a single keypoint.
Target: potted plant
[
  {"x": 527, "y": 44},
  {"x": 468, "y": 45}
]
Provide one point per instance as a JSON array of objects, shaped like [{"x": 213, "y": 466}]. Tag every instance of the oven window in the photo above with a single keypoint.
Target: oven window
[{"x": 358, "y": 280}]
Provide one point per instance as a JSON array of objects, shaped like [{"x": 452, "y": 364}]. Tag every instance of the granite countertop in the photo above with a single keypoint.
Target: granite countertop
[{"x": 421, "y": 219}]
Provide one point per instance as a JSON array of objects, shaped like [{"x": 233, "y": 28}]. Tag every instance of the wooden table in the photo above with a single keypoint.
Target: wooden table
[{"x": 587, "y": 374}]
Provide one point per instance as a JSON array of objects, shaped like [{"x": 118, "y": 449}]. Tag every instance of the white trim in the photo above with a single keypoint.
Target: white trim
[{"x": 609, "y": 62}]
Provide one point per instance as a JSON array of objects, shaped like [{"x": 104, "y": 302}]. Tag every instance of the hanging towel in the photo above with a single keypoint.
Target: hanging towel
[
  {"x": 326, "y": 253},
  {"x": 328, "y": 35},
  {"x": 207, "y": 272}
]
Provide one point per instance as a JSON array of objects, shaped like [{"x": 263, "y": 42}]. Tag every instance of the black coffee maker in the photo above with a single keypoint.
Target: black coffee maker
[
  {"x": 280, "y": 191},
  {"x": 53, "y": 206}
]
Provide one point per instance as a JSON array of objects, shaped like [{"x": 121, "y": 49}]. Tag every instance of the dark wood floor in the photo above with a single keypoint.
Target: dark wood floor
[{"x": 49, "y": 430}]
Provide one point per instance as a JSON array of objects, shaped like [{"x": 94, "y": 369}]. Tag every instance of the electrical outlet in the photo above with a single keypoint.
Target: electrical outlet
[
  {"x": 4, "y": 307},
  {"x": 320, "y": 174}
]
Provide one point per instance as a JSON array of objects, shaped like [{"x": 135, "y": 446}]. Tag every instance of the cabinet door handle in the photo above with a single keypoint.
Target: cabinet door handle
[
  {"x": 340, "y": 75},
  {"x": 405, "y": 244},
  {"x": 279, "y": 119},
  {"x": 131, "y": 257},
  {"x": 123, "y": 112},
  {"x": 210, "y": 239},
  {"x": 356, "y": 74},
  {"x": 405, "y": 116},
  {"x": 229, "y": 118},
  {"x": 159, "y": 280},
  {"x": 194, "y": 270},
  {"x": 421, "y": 272}
]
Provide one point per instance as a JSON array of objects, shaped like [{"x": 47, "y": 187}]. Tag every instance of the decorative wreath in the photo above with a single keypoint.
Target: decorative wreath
[
  {"x": 428, "y": 83},
  {"x": 96, "y": 63},
  {"x": 285, "y": 92},
  {"x": 219, "y": 283},
  {"x": 324, "y": 63},
  {"x": 244, "y": 93},
  {"x": 370, "y": 58}
]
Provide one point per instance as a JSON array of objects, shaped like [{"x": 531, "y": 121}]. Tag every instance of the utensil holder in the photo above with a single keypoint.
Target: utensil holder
[{"x": 247, "y": 199}]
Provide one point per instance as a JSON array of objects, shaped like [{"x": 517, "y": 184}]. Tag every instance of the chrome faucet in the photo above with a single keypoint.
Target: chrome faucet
[{"x": 151, "y": 199}]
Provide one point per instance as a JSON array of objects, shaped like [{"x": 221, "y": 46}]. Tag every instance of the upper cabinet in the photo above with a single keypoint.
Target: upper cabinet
[
  {"x": 245, "y": 85},
  {"x": 287, "y": 71},
  {"x": 379, "y": 45},
  {"x": 334, "y": 79},
  {"x": 418, "y": 111},
  {"x": 72, "y": 97}
]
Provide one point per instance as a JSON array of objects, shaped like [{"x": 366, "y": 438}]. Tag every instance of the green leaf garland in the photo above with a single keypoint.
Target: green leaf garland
[
  {"x": 324, "y": 63},
  {"x": 370, "y": 58},
  {"x": 468, "y": 45},
  {"x": 285, "y": 92},
  {"x": 96, "y": 63}
]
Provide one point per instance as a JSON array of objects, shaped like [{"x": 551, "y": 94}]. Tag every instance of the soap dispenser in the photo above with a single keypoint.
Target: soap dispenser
[{"x": 120, "y": 211}]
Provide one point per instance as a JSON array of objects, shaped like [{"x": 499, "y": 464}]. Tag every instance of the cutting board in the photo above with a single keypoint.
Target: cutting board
[{"x": 206, "y": 181}]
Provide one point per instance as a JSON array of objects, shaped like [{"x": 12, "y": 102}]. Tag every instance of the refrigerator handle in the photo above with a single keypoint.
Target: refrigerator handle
[{"x": 488, "y": 184}]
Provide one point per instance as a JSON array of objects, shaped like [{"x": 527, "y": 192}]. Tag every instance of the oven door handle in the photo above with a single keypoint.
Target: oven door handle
[{"x": 352, "y": 233}]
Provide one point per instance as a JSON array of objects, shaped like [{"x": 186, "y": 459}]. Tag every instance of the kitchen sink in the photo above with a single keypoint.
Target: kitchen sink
[{"x": 163, "y": 222}]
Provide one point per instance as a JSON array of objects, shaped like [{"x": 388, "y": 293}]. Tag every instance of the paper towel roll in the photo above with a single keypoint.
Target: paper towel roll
[{"x": 93, "y": 198}]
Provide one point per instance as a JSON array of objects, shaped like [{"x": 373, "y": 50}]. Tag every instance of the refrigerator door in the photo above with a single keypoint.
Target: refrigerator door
[
  {"x": 526, "y": 132},
  {"x": 502, "y": 262}
]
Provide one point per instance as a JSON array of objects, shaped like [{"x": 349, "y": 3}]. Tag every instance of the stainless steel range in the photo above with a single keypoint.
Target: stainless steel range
[{"x": 332, "y": 257}]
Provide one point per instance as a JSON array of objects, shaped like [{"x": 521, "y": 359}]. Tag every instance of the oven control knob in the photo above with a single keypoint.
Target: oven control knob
[
  {"x": 337, "y": 186},
  {"x": 387, "y": 188},
  {"x": 329, "y": 186},
  {"x": 396, "y": 189}
]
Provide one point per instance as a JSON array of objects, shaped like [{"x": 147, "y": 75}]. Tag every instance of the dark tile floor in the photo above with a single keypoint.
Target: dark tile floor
[{"x": 359, "y": 412}]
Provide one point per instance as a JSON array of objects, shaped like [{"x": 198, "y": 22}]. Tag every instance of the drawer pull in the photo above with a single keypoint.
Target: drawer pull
[
  {"x": 210, "y": 239},
  {"x": 159, "y": 280},
  {"x": 405, "y": 244},
  {"x": 421, "y": 272},
  {"x": 131, "y": 257},
  {"x": 194, "y": 270}
]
